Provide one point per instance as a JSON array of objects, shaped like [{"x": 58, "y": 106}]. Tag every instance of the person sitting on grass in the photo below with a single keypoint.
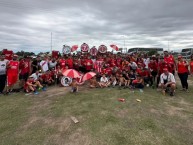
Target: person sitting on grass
[
  {"x": 167, "y": 82},
  {"x": 139, "y": 82},
  {"x": 113, "y": 80},
  {"x": 104, "y": 82},
  {"x": 32, "y": 85},
  {"x": 93, "y": 83},
  {"x": 74, "y": 86},
  {"x": 122, "y": 81}
]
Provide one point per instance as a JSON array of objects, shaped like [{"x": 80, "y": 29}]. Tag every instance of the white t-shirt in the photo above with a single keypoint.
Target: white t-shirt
[
  {"x": 52, "y": 64},
  {"x": 35, "y": 76},
  {"x": 104, "y": 80},
  {"x": 44, "y": 65},
  {"x": 146, "y": 62},
  {"x": 133, "y": 65},
  {"x": 169, "y": 78},
  {"x": 3, "y": 67}
]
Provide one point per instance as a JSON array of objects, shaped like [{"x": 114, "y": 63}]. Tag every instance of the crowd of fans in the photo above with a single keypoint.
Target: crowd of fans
[{"x": 137, "y": 70}]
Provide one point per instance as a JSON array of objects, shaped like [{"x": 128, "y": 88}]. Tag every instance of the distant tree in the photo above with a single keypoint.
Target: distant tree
[{"x": 152, "y": 52}]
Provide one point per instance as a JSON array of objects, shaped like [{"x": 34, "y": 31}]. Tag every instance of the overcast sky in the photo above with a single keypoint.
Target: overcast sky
[{"x": 27, "y": 24}]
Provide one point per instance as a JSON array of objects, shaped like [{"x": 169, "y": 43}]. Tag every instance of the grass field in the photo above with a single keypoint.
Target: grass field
[{"x": 103, "y": 120}]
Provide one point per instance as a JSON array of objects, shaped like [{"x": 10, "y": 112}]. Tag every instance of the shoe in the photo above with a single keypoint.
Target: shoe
[
  {"x": 36, "y": 93},
  {"x": 44, "y": 89},
  {"x": 172, "y": 94}
]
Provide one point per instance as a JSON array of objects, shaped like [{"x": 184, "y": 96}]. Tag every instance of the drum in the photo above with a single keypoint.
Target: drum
[
  {"x": 102, "y": 49},
  {"x": 93, "y": 51},
  {"x": 84, "y": 47},
  {"x": 66, "y": 49},
  {"x": 65, "y": 81}
]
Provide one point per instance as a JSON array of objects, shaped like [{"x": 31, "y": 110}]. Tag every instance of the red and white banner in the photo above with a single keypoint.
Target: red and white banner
[
  {"x": 93, "y": 51},
  {"x": 74, "y": 48},
  {"x": 114, "y": 47},
  {"x": 102, "y": 49},
  {"x": 84, "y": 47}
]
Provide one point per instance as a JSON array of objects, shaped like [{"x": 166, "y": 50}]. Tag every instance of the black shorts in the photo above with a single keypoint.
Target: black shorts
[{"x": 24, "y": 76}]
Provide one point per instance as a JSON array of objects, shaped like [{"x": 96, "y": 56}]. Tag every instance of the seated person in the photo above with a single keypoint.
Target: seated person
[
  {"x": 122, "y": 81},
  {"x": 93, "y": 83},
  {"x": 74, "y": 86},
  {"x": 127, "y": 79},
  {"x": 139, "y": 82},
  {"x": 113, "y": 80},
  {"x": 32, "y": 85},
  {"x": 47, "y": 78},
  {"x": 132, "y": 77},
  {"x": 104, "y": 81},
  {"x": 167, "y": 81}
]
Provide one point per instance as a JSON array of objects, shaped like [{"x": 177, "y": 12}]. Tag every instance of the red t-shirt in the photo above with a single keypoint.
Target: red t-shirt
[
  {"x": 182, "y": 67},
  {"x": 62, "y": 63},
  {"x": 14, "y": 68},
  {"x": 89, "y": 64},
  {"x": 153, "y": 66},
  {"x": 70, "y": 63},
  {"x": 24, "y": 67}
]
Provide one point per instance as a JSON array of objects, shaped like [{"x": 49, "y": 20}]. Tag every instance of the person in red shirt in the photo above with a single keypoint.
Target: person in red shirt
[
  {"x": 62, "y": 63},
  {"x": 12, "y": 73},
  {"x": 191, "y": 65},
  {"x": 169, "y": 59},
  {"x": 153, "y": 67},
  {"x": 69, "y": 62},
  {"x": 88, "y": 64},
  {"x": 183, "y": 72},
  {"x": 24, "y": 67}
]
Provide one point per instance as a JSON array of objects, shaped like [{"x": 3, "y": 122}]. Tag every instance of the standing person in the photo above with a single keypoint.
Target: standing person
[
  {"x": 167, "y": 81},
  {"x": 191, "y": 65},
  {"x": 44, "y": 65},
  {"x": 169, "y": 59},
  {"x": 3, "y": 69},
  {"x": 12, "y": 73},
  {"x": 52, "y": 64},
  {"x": 24, "y": 68},
  {"x": 153, "y": 67},
  {"x": 183, "y": 72}
]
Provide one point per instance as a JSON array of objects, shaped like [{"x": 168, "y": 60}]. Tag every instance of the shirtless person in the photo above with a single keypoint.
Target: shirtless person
[
  {"x": 93, "y": 83},
  {"x": 74, "y": 86}
]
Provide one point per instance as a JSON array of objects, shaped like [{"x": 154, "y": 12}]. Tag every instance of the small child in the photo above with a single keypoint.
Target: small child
[{"x": 74, "y": 86}]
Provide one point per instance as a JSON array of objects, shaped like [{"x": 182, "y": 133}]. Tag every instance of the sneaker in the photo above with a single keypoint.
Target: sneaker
[
  {"x": 36, "y": 93},
  {"x": 44, "y": 89},
  {"x": 172, "y": 94}
]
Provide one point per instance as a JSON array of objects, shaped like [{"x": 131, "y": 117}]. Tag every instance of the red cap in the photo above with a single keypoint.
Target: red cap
[
  {"x": 179, "y": 57},
  {"x": 165, "y": 69}
]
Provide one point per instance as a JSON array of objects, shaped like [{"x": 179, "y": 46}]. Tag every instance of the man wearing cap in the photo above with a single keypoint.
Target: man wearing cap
[
  {"x": 167, "y": 81},
  {"x": 3, "y": 69}
]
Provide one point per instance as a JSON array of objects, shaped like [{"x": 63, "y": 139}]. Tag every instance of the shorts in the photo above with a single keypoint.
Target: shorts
[
  {"x": 74, "y": 90},
  {"x": 24, "y": 76},
  {"x": 12, "y": 79}
]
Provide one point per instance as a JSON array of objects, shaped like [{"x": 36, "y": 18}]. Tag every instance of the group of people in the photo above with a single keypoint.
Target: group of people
[{"x": 136, "y": 70}]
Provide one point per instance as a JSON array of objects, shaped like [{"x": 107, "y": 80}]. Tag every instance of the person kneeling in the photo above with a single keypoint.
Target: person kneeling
[{"x": 167, "y": 82}]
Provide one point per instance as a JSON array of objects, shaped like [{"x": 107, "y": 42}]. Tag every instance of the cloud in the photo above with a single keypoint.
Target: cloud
[{"x": 27, "y": 25}]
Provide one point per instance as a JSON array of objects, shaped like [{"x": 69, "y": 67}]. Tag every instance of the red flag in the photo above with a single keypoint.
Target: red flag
[
  {"x": 114, "y": 47},
  {"x": 74, "y": 48}
]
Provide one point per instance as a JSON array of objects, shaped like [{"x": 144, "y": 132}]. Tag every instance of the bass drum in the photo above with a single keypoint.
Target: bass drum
[{"x": 65, "y": 81}]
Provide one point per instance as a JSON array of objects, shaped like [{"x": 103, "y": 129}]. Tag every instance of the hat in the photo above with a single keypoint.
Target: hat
[
  {"x": 165, "y": 69},
  {"x": 179, "y": 57}
]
